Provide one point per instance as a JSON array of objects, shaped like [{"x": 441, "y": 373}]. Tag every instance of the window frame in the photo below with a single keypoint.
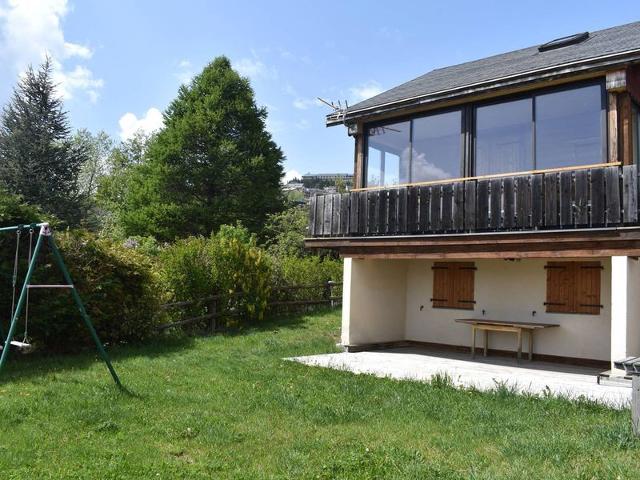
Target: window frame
[
  {"x": 468, "y": 127},
  {"x": 410, "y": 119}
]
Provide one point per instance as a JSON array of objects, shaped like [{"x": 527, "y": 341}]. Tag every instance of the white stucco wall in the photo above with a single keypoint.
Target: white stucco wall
[
  {"x": 374, "y": 301},
  {"x": 633, "y": 307},
  {"x": 383, "y": 300},
  {"x": 509, "y": 290},
  {"x": 619, "y": 307}
]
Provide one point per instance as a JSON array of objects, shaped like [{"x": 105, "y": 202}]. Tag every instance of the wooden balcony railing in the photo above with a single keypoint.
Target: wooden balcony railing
[{"x": 578, "y": 198}]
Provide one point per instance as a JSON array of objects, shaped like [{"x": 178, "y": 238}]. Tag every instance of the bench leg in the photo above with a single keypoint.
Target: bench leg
[
  {"x": 530, "y": 345},
  {"x": 519, "y": 344},
  {"x": 486, "y": 342},
  {"x": 473, "y": 341}
]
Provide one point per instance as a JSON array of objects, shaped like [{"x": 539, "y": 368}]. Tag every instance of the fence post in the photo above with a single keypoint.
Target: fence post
[
  {"x": 329, "y": 292},
  {"x": 212, "y": 320}
]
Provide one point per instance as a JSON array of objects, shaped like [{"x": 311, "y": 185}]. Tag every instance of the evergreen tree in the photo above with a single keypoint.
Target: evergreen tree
[
  {"x": 38, "y": 159},
  {"x": 213, "y": 163}
]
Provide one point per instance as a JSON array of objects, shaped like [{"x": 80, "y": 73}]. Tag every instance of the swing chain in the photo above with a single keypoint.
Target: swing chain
[
  {"x": 26, "y": 306},
  {"x": 14, "y": 279}
]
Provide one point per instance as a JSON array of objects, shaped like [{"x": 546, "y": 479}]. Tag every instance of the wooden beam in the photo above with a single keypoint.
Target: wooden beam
[
  {"x": 506, "y": 255},
  {"x": 541, "y": 245},
  {"x": 633, "y": 82},
  {"x": 617, "y": 81},
  {"x": 612, "y": 127},
  {"x": 462, "y": 240},
  {"x": 625, "y": 120},
  {"x": 494, "y": 175},
  {"x": 358, "y": 164}
]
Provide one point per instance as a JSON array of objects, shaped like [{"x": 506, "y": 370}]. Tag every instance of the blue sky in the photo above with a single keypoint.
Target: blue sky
[{"x": 120, "y": 62}]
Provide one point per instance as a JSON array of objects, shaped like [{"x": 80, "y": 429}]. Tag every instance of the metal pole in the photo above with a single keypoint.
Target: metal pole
[
  {"x": 76, "y": 297},
  {"x": 22, "y": 299},
  {"x": 635, "y": 403}
]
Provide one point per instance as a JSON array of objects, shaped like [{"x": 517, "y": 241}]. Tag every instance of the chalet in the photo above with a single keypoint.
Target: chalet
[{"x": 499, "y": 195}]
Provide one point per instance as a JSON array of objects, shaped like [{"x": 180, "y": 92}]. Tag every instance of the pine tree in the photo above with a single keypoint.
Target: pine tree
[
  {"x": 214, "y": 163},
  {"x": 38, "y": 159}
]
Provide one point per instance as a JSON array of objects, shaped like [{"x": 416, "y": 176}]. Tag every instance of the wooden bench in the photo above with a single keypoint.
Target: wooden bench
[{"x": 487, "y": 326}]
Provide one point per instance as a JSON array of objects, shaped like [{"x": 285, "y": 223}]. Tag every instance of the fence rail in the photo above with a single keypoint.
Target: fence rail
[
  {"x": 579, "y": 198},
  {"x": 214, "y": 303}
]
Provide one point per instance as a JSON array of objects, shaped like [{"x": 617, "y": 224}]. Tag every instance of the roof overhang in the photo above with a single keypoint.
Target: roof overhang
[
  {"x": 578, "y": 243},
  {"x": 596, "y": 64}
]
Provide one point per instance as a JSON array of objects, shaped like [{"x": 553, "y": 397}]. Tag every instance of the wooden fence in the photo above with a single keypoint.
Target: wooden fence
[
  {"x": 578, "y": 198},
  {"x": 216, "y": 306}
]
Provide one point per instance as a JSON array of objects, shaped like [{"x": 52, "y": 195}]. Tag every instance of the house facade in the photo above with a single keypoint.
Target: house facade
[{"x": 504, "y": 188}]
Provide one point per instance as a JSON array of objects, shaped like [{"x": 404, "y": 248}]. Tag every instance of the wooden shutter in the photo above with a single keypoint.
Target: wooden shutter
[
  {"x": 463, "y": 285},
  {"x": 441, "y": 285},
  {"x": 573, "y": 287},
  {"x": 588, "y": 288},
  {"x": 453, "y": 285},
  {"x": 558, "y": 287}
]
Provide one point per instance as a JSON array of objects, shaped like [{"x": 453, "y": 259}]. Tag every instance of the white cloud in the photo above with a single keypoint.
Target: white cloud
[
  {"x": 366, "y": 90},
  {"x": 254, "y": 68},
  {"x": 32, "y": 29},
  {"x": 78, "y": 79},
  {"x": 290, "y": 175},
  {"x": 76, "y": 50},
  {"x": 130, "y": 124},
  {"x": 185, "y": 72}
]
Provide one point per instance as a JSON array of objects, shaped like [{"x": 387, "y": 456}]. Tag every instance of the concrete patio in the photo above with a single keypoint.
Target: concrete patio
[{"x": 420, "y": 364}]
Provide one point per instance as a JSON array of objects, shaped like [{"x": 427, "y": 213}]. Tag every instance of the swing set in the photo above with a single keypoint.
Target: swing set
[{"x": 22, "y": 302}]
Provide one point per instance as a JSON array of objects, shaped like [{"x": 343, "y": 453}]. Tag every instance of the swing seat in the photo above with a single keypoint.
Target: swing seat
[{"x": 22, "y": 347}]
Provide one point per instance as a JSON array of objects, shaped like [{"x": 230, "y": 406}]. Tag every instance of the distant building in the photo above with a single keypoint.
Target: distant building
[
  {"x": 347, "y": 178},
  {"x": 287, "y": 187}
]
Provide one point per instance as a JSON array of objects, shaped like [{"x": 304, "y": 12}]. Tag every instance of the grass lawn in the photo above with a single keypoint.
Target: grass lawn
[{"x": 230, "y": 407}]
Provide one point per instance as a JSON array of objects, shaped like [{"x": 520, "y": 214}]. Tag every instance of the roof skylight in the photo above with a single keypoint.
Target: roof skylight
[{"x": 564, "y": 41}]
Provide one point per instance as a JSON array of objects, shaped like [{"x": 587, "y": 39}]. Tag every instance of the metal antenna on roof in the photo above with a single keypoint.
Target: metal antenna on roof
[
  {"x": 337, "y": 109},
  {"x": 330, "y": 104}
]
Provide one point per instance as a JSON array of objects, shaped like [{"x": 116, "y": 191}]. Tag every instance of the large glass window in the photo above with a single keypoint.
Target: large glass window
[
  {"x": 544, "y": 130},
  {"x": 436, "y": 147},
  {"x": 389, "y": 154},
  {"x": 504, "y": 136},
  {"x": 569, "y": 127}
]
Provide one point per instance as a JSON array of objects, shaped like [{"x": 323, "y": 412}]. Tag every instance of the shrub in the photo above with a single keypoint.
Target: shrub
[
  {"x": 116, "y": 284},
  {"x": 285, "y": 232},
  {"x": 225, "y": 263},
  {"x": 311, "y": 270}
]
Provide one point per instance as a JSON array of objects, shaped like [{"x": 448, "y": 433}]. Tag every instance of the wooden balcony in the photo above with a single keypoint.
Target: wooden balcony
[{"x": 579, "y": 198}]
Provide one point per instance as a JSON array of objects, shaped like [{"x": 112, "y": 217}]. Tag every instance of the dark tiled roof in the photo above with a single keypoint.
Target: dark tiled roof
[{"x": 601, "y": 43}]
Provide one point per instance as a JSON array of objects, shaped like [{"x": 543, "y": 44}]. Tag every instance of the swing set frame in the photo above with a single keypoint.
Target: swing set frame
[{"x": 45, "y": 234}]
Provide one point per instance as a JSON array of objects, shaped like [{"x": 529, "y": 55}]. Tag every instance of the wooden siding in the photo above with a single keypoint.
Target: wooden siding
[{"x": 583, "y": 198}]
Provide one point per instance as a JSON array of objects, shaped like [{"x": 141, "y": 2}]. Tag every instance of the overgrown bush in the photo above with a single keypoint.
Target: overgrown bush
[
  {"x": 116, "y": 283},
  {"x": 285, "y": 232},
  {"x": 226, "y": 263},
  {"x": 311, "y": 270}
]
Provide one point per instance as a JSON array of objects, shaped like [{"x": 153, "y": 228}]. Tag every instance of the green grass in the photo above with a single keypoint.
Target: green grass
[{"x": 230, "y": 407}]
